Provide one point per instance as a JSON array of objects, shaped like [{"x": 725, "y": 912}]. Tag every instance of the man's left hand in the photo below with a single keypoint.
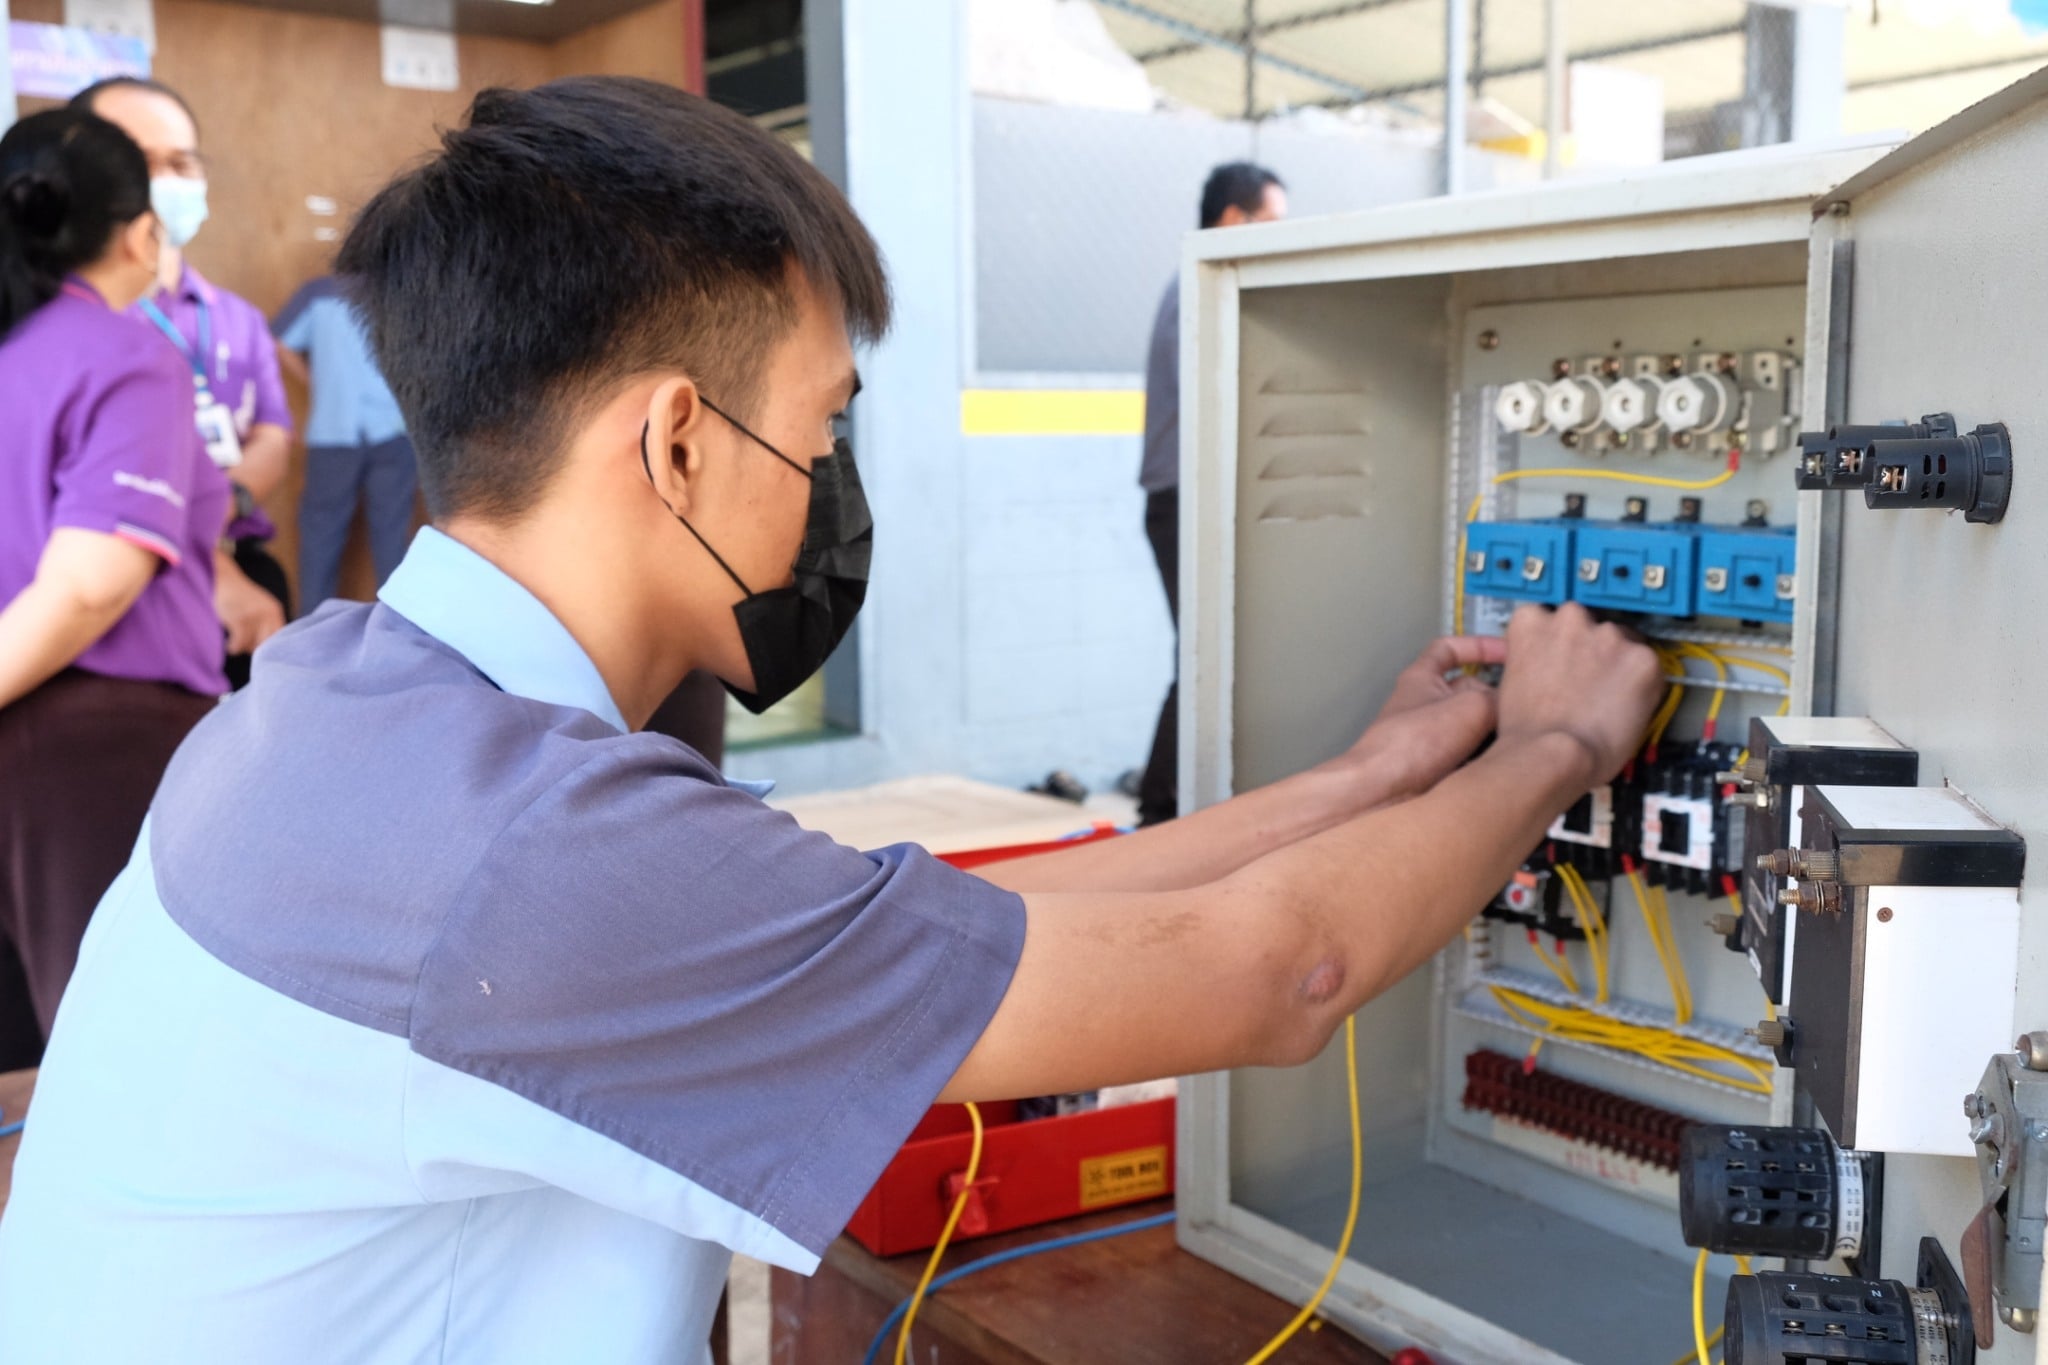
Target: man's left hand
[
  {"x": 1433, "y": 721},
  {"x": 248, "y": 614}
]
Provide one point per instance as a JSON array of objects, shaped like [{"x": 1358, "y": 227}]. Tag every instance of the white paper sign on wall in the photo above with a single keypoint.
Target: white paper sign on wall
[
  {"x": 123, "y": 18},
  {"x": 418, "y": 58}
]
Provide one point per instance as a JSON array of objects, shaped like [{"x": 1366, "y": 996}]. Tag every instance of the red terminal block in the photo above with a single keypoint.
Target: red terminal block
[{"x": 1499, "y": 1084}]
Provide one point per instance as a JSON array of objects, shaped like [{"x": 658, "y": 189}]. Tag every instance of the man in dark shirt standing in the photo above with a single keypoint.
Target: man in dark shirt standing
[{"x": 1236, "y": 192}]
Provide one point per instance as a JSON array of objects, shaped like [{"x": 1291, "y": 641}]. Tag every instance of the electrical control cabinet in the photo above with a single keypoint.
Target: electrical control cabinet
[{"x": 1653, "y": 396}]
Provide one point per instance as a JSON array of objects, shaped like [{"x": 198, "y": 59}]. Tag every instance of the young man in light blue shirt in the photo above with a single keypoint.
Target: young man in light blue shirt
[
  {"x": 356, "y": 447},
  {"x": 514, "y": 1020}
]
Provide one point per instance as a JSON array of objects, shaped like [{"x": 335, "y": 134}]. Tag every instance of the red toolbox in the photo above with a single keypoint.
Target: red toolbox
[{"x": 1032, "y": 1171}]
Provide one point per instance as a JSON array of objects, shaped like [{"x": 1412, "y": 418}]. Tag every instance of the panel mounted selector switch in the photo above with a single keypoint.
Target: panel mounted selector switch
[
  {"x": 1782, "y": 1318},
  {"x": 1789, "y": 1192}
]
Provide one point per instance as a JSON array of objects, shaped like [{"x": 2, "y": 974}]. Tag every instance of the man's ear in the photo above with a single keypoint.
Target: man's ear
[
  {"x": 142, "y": 241},
  {"x": 676, "y": 429}
]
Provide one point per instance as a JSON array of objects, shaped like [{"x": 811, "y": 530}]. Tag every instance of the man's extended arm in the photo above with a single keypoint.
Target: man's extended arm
[
  {"x": 1260, "y": 966},
  {"x": 1428, "y": 726}
]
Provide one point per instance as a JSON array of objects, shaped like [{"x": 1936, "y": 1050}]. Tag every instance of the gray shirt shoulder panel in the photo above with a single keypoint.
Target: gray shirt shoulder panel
[{"x": 595, "y": 921}]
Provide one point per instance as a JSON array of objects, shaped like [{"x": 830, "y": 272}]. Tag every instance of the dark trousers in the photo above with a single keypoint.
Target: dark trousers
[
  {"x": 80, "y": 758},
  {"x": 384, "y": 478},
  {"x": 266, "y": 573},
  {"x": 1159, "y": 790}
]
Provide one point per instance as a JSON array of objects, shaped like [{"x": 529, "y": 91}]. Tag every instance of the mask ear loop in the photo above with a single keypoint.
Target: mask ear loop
[
  {"x": 647, "y": 468},
  {"x": 741, "y": 428}
]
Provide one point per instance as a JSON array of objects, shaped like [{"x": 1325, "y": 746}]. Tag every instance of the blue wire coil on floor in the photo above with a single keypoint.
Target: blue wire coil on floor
[{"x": 1014, "y": 1254}]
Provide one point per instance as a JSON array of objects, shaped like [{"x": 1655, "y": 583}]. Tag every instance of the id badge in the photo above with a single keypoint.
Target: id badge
[{"x": 217, "y": 429}]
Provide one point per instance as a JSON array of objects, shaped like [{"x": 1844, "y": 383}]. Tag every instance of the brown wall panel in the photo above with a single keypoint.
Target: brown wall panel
[
  {"x": 293, "y": 107},
  {"x": 650, "y": 42}
]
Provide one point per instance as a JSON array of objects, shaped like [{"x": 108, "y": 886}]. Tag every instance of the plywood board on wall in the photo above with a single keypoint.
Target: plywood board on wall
[
  {"x": 301, "y": 130},
  {"x": 649, "y": 43}
]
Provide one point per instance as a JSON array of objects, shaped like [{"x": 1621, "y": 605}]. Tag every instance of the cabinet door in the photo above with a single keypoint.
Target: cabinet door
[{"x": 1940, "y": 632}]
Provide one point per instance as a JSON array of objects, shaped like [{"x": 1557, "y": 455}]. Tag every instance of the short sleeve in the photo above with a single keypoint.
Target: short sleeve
[
  {"x": 664, "y": 960},
  {"x": 272, "y": 406},
  {"x": 293, "y": 326},
  {"x": 133, "y": 454}
]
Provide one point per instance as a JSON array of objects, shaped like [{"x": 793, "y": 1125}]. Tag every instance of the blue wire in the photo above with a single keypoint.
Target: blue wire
[
  {"x": 11, "y": 1129},
  {"x": 1014, "y": 1254}
]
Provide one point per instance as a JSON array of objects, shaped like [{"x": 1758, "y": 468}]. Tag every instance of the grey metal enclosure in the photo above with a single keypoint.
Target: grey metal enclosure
[{"x": 1407, "y": 421}]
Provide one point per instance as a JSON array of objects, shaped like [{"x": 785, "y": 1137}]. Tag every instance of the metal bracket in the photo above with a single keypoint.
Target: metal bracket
[{"x": 2008, "y": 1115}]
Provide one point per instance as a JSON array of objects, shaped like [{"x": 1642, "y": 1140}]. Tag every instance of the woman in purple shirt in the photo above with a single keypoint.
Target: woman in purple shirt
[{"x": 109, "y": 515}]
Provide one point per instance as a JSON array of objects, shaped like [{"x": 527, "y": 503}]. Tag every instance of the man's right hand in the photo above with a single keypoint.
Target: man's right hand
[{"x": 1568, "y": 675}]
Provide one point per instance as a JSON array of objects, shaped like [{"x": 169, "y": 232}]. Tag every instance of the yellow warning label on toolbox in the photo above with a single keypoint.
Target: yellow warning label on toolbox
[{"x": 1120, "y": 1176}]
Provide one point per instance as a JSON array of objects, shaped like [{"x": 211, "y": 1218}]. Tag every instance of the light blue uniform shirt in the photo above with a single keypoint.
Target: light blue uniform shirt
[
  {"x": 352, "y": 405},
  {"x": 437, "y": 1018}
]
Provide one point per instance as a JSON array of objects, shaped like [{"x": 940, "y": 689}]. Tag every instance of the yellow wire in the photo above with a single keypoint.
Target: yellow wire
[
  {"x": 1651, "y": 480},
  {"x": 1589, "y": 919},
  {"x": 1308, "y": 1309},
  {"x": 1686, "y": 1055},
  {"x": 1693, "y": 651},
  {"x": 1560, "y": 967},
  {"x": 1785, "y": 702},
  {"x": 931, "y": 1267},
  {"x": 1699, "y": 1308},
  {"x": 1666, "y": 712},
  {"x": 1702, "y": 1343},
  {"x": 1758, "y": 664},
  {"x": 1667, "y": 950},
  {"x": 1661, "y": 900}
]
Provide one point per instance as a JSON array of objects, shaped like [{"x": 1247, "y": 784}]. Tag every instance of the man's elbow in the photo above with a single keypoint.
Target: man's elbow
[{"x": 1305, "y": 984}]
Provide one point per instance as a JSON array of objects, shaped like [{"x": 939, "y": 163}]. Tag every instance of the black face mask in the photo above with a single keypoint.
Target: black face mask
[{"x": 789, "y": 632}]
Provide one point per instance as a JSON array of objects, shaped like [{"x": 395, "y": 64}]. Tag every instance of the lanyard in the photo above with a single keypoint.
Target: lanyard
[{"x": 197, "y": 359}]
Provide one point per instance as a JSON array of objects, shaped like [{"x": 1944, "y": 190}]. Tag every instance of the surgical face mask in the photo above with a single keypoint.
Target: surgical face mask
[
  {"x": 789, "y": 632},
  {"x": 180, "y": 204}
]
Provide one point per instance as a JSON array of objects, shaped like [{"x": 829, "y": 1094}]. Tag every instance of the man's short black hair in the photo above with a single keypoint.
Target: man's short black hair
[
  {"x": 85, "y": 98},
  {"x": 574, "y": 235},
  {"x": 1235, "y": 184}
]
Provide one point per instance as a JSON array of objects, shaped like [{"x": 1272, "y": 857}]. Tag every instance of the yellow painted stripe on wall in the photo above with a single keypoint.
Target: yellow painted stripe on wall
[{"x": 1052, "y": 412}]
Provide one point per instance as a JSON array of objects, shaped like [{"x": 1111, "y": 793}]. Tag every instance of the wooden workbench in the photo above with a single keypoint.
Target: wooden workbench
[{"x": 1137, "y": 1299}]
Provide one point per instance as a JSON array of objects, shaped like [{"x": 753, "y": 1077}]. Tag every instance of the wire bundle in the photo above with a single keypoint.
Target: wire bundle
[
  {"x": 1592, "y": 922},
  {"x": 1680, "y": 1052},
  {"x": 1656, "y": 910}
]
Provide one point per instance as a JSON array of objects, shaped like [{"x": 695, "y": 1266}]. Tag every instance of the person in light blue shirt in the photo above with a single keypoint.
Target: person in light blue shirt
[
  {"x": 356, "y": 447},
  {"x": 443, "y": 1013}
]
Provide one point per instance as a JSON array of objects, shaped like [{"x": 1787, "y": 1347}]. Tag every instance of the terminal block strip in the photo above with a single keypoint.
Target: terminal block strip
[{"x": 1496, "y": 1083}]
